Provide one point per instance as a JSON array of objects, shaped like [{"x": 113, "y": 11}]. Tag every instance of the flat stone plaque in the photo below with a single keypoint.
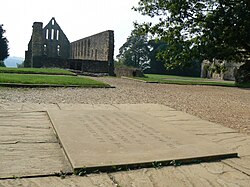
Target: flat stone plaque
[{"x": 102, "y": 140}]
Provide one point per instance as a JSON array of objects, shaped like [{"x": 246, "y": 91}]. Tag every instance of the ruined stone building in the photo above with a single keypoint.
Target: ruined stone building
[
  {"x": 50, "y": 47},
  {"x": 219, "y": 70}
]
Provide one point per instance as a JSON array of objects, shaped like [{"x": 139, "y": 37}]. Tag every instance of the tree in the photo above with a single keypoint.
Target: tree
[
  {"x": 156, "y": 63},
  {"x": 2, "y": 64},
  {"x": 135, "y": 51},
  {"x": 199, "y": 29},
  {"x": 141, "y": 52},
  {"x": 3, "y": 45}
]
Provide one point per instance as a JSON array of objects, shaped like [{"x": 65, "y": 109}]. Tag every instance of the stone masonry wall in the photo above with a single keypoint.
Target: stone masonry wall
[
  {"x": 89, "y": 66},
  {"x": 208, "y": 70},
  {"x": 37, "y": 39},
  {"x": 49, "y": 47},
  {"x": 55, "y": 42},
  {"x": 97, "y": 47},
  {"x": 74, "y": 64}
]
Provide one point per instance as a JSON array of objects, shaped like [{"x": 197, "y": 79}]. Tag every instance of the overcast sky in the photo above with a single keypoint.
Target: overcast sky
[{"x": 77, "y": 18}]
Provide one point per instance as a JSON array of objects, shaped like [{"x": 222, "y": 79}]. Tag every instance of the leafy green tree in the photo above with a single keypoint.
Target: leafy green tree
[
  {"x": 156, "y": 63},
  {"x": 135, "y": 51},
  {"x": 199, "y": 29},
  {"x": 2, "y": 64},
  {"x": 3, "y": 45}
]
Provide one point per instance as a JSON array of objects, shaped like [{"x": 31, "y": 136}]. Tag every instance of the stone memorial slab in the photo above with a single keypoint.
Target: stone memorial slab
[{"x": 104, "y": 139}]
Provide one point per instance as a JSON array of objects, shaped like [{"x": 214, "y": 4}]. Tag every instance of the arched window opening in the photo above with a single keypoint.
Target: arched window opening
[
  {"x": 47, "y": 34},
  {"x": 53, "y": 22},
  {"x": 57, "y": 35},
  {"x": 45, "y": 49},
  {"x": 52, "y": 34},
  {"x": 58, "y": 50}
]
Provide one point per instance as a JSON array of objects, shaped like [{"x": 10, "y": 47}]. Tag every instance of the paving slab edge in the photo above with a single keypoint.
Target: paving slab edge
[
  {"x": 154, "y": 164},
  {"x": 56, "y": 174},
  {"x": 59, "y": 140}
]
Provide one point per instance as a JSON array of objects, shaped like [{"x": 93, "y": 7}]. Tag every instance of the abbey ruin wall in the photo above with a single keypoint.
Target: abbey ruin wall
[
  {"x": 98, "y": 47},
  {"x": 56, "y": 43},
  {"x": 50, "y": 47}
]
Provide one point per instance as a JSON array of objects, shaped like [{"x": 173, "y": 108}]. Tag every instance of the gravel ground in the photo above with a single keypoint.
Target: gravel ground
[{"x": 227, "y": 106}]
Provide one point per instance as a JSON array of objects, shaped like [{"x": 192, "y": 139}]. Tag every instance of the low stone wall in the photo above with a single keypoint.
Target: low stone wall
[
  {"x": 74, "y": 64},
  {"x": 89, "y": 66},
  {"x": 128, "y": 72},
  {"x": 49, "y": 62},
  {"x": 242, "y": 75}
]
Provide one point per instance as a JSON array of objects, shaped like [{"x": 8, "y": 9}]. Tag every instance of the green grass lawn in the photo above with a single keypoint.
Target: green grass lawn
[
  {"x": 171, "y": 79},
  {"x": 60, "y": 80},
  {"x": 244, "y": 85},
  {"x": 48, "y": 71}
]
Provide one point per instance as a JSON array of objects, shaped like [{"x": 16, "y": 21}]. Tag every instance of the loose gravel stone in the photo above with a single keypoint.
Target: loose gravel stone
[{"x": 227, "y": 106}]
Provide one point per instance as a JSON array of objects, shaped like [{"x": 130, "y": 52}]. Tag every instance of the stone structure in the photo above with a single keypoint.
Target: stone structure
[
  {"x": 105, "y": 138},
  {"x": 216, "y": 70},
  {"x": 128, "y": 72},
  {"x": 50, "y": 47}
]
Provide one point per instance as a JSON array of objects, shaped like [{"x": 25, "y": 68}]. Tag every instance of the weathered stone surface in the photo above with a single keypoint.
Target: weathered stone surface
[
  {"x": 27, "y": 106},
  {"x": 21, "y": 131},
  {"x": 103, "y": 139},
  {"x": 49, "y": 41},
  {"x": 243, "y": 73},
  {"x": 128, "y": 72},
  {"x": 98, "y": 47},
  {"x": 74, "y": 181},
  {"x": 197, "y": 126},
  {"x": 242, "y": 164},
  {"x": 233, "y": 141},
  {"x": 149, "y": 108},
  {"x": 173, "y": 116},
  {"x": 219, "y": 69},
  {"x": 206, "y": 174},
  {"x": 86, "y": 107},
  {"x": 50, "y": 47},
  {"x": 28, "y": 146},
  {"x": 55, "y": 42}
]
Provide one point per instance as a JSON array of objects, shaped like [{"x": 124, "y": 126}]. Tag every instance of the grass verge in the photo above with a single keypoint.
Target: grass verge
[
  {"x": 171, "y": 79},
  {"x": 47, "y": 71},
  {"x": 243, "y": 85},
  {"x": 49, "y": 80}
]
